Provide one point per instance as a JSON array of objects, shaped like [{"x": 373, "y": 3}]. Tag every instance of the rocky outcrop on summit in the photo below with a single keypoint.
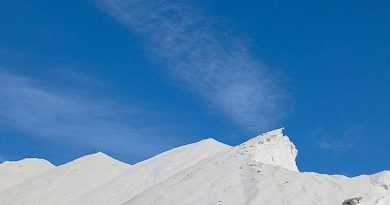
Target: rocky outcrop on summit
[{"x": 271, "y": 148}]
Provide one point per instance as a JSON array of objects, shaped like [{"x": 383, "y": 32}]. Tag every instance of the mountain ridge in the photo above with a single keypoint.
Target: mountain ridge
[{"x": 261, "y": 170}]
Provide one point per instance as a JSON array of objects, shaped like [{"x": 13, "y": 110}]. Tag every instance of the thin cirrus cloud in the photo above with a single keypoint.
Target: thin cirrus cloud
[
  {"x": 216, "y": 65},
  {"x": 348, "y": 139},
  {"x": 37, "y": 110}
]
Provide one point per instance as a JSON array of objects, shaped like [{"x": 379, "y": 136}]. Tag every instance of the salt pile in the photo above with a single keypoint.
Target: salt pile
[
  {"x": 13, "y": 173},
  {"x": 260, "y": 171},
  {"x": 148, "y": 173},
  {"x": 65, "y": 183}
]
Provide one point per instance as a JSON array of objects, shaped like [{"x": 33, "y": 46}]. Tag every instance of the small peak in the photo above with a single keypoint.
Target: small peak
[
  {"x": 34, "y": 160},
  {"x": 272, "y": 147},
  {"x": 27, "y": 161},
  {"x": 210, "y": 140},
  {"x": 204, "y": 143},
  {"x": 97, "y": 156}
]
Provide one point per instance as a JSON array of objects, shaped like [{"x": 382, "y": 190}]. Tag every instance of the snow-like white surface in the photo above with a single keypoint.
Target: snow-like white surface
[
  {"x": 261, "y": 171},
  {"x": 262, "y": 184},
  {"x": 151, "y": 172},
  {"x": 15, "y": 172},
  {"x": 271, "y": 148},
  {"x": 64, "y": 183},
  {"x": 245, "y": 175}
]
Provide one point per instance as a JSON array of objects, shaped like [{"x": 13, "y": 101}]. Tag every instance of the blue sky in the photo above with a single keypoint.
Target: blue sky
[{"x": 134, "y": 78}]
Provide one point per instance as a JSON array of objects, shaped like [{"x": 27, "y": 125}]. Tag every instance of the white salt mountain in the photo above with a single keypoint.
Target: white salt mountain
[
  {"x": 259, "y": 171},
  {"x": 14, "y": 173},
  {"x": 246, "y": 175},
  {"x": 148, "y": 173},
  {"x": 64, "y": 183}
]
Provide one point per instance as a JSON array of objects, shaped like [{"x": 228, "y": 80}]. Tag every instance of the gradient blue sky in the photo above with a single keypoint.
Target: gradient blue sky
[{"x": 134, "y": 78}]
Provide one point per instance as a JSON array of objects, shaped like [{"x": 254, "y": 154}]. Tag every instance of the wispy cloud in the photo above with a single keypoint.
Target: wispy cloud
[
  {"x": 347, "y": 140},
  {"x": 38, "y": 110},
  {"x": 211, "y": 62},
  {"x": 335, "y": 145}
]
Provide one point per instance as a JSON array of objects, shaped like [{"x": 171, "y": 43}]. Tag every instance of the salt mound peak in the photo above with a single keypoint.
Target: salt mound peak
[
  {"x": 97, "y": 157},
  {"x": 209, "y": 140},
  {"x": 271, "y": 147},
  {"x": 199, "y": 148},
  {"x": 146, "y": 174},
  {"x": 65, "y": 183},
  {"x": 15, "y": 172},
  {"x": 26, "y": 161}
]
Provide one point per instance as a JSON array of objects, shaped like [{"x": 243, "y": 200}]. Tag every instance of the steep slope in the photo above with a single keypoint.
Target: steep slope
[
  {"x": 15, "y": 172},
  {"x": 240, "y": 176},
  {"x": 271, "y": 148},
  {"x": 64, "y": 183},
  {"x": 151, "y": 172}
]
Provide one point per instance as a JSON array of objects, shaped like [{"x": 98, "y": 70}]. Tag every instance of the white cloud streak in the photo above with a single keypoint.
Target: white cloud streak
[
  {"x": 212, "y": 63},
  {"x": 36, "y": 110},
  {"x": 347, "y": 140}
]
